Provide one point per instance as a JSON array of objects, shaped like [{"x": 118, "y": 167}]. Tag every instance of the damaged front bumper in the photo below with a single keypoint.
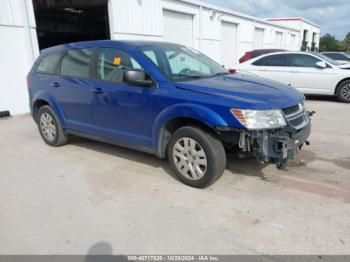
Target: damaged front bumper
[
  {"x": 271, "y": 146},
  {"x": 275, "y": 147}
]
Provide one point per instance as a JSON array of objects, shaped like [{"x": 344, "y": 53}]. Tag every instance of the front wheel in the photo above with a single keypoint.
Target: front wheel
[
  {"x": 197, "y": 157},
  {"x": 343, "y": 92}
]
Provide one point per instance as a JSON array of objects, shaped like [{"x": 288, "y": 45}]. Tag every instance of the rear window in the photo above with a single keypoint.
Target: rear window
[
  {"x": 49, "y": 63},
  {"x": 273, "y": 60},
  {"x": 77, "y": 63}
]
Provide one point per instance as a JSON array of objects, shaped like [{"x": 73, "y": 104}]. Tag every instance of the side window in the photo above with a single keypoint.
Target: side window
[
  {"x": 76, "y": 63},
  {"x": 151, "y": 55},
  {"x": 49, "y": 63},
  {"x": 112, "y": 63},
  {"x": 272, "y": 60},
  {"x": 180, "y": 62},
  {"x": 303, "y": 60}
]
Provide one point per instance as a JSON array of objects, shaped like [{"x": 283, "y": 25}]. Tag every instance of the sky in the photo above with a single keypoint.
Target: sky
[{"x": 333, "y": 16}]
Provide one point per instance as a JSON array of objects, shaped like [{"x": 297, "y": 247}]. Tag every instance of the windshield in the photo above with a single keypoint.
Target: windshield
[
  {"x": 327, "y": 59},
  {"x": 181, "y": 63}
]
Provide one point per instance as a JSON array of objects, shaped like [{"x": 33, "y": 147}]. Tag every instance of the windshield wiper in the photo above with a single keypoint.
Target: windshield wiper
[
  {"x": 190, "y": 76},
  {"x": 219, "y": 74},
  {"x": 201, "y": 76}
]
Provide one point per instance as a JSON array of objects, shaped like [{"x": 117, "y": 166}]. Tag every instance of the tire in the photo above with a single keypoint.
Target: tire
[
  {"x": 343, "y": 92},
  {"x": 48, "y": 123},
  {"x": 189, "y": 147}
]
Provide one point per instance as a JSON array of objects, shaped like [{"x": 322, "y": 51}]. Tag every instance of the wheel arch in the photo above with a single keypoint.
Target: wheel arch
[
  {"x": 179, "y": 116},
  {"x": 38, "y": 104},
  {"x": 43, "y": 99},
  {"x": 339, "y": 83}
]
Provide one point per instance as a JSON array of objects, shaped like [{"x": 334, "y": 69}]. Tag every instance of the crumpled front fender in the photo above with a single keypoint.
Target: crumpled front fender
[{"x": 185, "y": 110}]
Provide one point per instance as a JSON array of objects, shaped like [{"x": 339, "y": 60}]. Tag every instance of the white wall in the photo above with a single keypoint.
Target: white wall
[
  {"x": 142, "y": 19},
  {"x": 135, "y": 19},
  {"x": 17, "y": 53}
]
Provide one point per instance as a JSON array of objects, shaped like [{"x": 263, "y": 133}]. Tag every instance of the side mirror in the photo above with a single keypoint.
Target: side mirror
[
  {"x": 321, "y": 65},
  {"x": 136, "y": 77}
]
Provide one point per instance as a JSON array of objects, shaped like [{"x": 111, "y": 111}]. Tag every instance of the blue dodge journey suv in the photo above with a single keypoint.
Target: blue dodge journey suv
[{"x": 168, "y": 100}]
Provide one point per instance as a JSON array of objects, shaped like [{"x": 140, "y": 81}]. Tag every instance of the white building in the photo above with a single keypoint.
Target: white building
[
  {"x": 26, "y": 26},
  {"x": 309, "y": 31}
]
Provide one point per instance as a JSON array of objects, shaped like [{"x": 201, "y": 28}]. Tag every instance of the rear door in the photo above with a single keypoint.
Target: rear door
[
  {"x": 274, "y": 67},
  {"x": 72, "y": 89},
  {"x": 45, "y": 73},
  {"x": 308, "y": 78}
]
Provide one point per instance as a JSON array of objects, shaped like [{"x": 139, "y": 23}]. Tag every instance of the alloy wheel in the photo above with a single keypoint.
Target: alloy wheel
[
  {"x": 48, "y": 127},
  {"x": 190, "y": 158},
  {"x": 345, "y": 92}
]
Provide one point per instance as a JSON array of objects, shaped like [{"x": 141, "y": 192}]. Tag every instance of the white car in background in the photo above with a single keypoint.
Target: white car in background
[
  {"x": 340, "y": 57},
  {"x": 309, "y": 73}
]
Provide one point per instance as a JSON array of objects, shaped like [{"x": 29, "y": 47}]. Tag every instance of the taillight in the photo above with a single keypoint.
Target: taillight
[{"x": 232, "y": 71}]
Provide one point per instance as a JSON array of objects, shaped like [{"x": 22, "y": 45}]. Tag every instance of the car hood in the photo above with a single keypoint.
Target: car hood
[{"x": 247, "y": 91}]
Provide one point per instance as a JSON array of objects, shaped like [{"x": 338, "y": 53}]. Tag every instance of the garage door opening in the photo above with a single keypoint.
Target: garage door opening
[
  {"x": 66, "y": 21},
  {"x": 228, "y": 44},
  {"x": 178, "y": 28}
]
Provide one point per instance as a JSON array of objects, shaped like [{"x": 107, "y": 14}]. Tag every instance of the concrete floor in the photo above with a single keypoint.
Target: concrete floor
[{"x": 90, "y": 198}]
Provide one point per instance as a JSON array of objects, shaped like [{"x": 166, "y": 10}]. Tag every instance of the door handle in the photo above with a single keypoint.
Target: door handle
[
  {"x": 97, "y": 90},
  {"x": 55, "y": 84}
]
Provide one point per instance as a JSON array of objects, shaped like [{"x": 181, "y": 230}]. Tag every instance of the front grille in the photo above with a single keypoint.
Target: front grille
[
  {"x": 296, "y": 116},
  {"x": 291, "y": 110},
  {"x": 296, "y": 122}
]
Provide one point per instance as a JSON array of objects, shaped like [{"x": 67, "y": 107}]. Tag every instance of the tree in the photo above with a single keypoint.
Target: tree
[
  {"x": 329, "y": 43},
  {"x": 347, "y": 42}
]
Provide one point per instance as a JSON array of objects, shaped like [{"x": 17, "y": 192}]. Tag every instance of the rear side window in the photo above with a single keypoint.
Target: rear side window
[
  {"x": 303, "y": 60},
  {"x": 77, "y": 63},
  {"x": 112, "y": 63},
  {"x": 273, "y": 60},
  {"x": 49, "y": 63}
]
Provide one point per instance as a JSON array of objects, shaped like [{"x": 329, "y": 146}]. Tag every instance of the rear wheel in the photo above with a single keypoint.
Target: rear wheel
[
  {"x": 50, "y": 128},
  {"x": 343, "y": 92},
  {"x": 197, "y": 157}
]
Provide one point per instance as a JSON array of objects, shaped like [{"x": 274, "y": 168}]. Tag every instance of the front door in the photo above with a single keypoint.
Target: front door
[
  {"x": 121, "y": 111},
  {"x": 308, "y": 78}
]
